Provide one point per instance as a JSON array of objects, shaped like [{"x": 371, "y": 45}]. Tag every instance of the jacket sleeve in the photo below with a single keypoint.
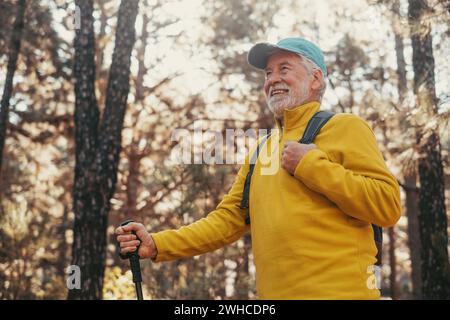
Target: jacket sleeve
[
  {"x": 356, "y": 178},
  {"x": 224, "y": 225}
]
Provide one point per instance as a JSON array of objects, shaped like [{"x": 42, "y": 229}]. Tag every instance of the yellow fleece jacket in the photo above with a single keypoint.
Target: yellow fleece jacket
[{"x": 311, "y": 232}]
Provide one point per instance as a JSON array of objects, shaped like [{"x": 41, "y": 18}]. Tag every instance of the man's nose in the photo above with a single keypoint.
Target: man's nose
[{"x": 272, "y": 79}]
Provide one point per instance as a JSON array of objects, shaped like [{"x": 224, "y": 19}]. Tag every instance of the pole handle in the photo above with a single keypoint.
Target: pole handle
[
  {"x": 129, "y": 254},
  {"x": 134, "y": 264},
  {"x": 133, "y": 257}
]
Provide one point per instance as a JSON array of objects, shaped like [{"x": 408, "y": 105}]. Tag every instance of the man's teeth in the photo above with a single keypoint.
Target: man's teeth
[{"x": 274, "y": 92}]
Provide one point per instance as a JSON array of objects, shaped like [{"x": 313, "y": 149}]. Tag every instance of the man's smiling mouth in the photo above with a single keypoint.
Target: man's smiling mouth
[{"x": 275, "y": 92}]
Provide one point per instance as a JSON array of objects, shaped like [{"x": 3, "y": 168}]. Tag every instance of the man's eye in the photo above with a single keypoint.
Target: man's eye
[{"x": 268, "y": 74}]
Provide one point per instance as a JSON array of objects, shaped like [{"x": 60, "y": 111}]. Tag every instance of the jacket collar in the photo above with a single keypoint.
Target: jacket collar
[{"x": 298, "y": 116}]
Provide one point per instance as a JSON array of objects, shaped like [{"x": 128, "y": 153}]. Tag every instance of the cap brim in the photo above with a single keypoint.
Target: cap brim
[{"x": 259, "y": 53}]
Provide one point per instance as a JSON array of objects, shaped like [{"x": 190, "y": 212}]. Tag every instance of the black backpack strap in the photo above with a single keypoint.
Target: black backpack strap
[
  {"x": 378, "y": 237},
  {"x": 316, "y": 123},
  {"x": 246, "y": 193}
]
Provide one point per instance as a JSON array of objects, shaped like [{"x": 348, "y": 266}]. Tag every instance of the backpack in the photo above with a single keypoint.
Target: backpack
[{"x": 313, "y": 127}]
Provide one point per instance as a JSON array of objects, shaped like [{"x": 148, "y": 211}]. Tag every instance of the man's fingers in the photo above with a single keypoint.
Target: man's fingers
[
  {"x": 128, "y": 237},
  {"x": 127, "y": 249},
  {"x": 283, "y": 160},
  {"x": 287, "y": 143},
  {"x": 119, "y": 231},
  {"x": 129, "y": 227},
  {"x": 133, "y": 244},
  {"x": 132, "y": 226}
]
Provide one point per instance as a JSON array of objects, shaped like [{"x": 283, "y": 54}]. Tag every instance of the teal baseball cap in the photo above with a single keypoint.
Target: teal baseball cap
[{"x": 260, "y": 52}]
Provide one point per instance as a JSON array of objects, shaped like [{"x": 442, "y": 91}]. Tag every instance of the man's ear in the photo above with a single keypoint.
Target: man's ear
[{"x": 317, "y": 76}]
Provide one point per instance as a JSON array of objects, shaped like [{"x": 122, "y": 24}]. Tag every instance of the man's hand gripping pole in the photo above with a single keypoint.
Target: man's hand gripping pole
[{"x": 134, "y": 265}]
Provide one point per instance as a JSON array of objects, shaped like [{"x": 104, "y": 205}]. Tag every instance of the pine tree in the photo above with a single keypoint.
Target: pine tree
[
  {"x": 432, "y": 217},
  {"x": 98, "y": 143},
  {"x": 12, "y": 65}
]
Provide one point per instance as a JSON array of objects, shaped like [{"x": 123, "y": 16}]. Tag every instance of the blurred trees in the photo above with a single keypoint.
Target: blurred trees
[
  {"x": 185, "y": 67},
  {"x": 36, "y": 163}
]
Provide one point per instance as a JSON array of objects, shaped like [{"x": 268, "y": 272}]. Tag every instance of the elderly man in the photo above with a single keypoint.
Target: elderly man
[{"x": 311, "y": 219}]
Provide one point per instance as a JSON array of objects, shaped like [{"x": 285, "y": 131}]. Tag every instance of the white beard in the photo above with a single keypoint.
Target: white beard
[{"x": 293, "y": 98}]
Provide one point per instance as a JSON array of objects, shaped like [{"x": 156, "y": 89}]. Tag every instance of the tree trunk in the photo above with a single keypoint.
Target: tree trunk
[
  {"x": 433, "y": 222},
  {"x": 14, "y": 49},
  {"x": 392, "y": 264},
  {"x": 409, "y": 171},
  {"x": 134, "y": 154},
  {"x": 116, "y": 98},
  {"x": 88, "y": 245},
  {"x": 132, "y": 182},
  {"x": 432, "y": 217},
  {"x": 97, "y": 146},
  {"x": 412, "y": 211},
  {"x": 399, "y": 51}
]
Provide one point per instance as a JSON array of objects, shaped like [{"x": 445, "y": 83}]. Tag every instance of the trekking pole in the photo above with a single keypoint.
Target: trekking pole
[{"x": 134, "y": 265}]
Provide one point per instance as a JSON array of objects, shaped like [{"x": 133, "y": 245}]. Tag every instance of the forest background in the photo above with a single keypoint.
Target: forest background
[{"x": 92, "y": 92}]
